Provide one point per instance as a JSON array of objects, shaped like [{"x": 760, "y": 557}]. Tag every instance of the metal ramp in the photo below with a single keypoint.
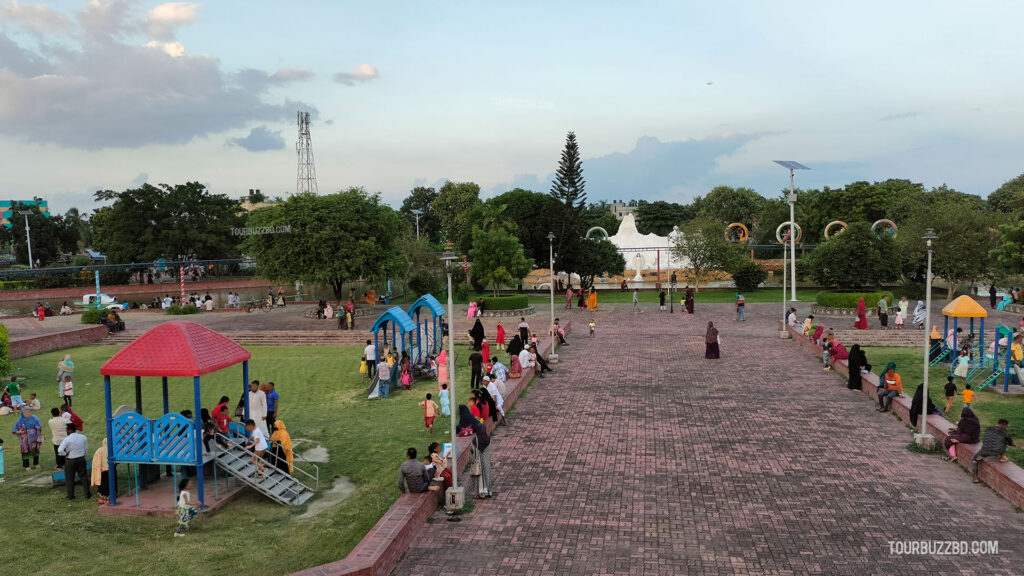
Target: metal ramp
[{"x": 275, "y": 484}]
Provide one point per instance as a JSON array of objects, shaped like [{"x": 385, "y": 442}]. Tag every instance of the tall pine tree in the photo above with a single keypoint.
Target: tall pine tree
[{"x": 568, "y": 189}]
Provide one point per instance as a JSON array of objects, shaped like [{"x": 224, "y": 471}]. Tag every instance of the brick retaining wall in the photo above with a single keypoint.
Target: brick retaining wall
[
  {"x": 379, "y": 551},
  {"x": 1005, "y": 478},
  {"x": 32, "y": 345}
]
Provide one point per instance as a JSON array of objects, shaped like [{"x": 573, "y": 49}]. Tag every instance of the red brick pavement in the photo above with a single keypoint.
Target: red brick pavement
[{"x": 638, "y": 456}]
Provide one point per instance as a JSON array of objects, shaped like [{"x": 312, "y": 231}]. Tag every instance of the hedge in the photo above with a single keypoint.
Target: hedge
[
  {"x": 515, "y": 302},
  {"x": 5, "y": 352},
  {"x": 831, "y": 299},
  {"x": 177, "y": 310},
  {"x": 92, "y": 316}
]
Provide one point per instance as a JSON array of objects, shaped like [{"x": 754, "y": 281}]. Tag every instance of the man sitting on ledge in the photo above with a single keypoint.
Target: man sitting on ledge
[
  {"x": 413, "y": 473},
  {"x": 890, "y": 386}
]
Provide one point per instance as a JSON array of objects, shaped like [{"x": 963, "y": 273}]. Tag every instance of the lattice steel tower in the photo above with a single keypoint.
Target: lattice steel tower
[{"x": 306, "y": 182}]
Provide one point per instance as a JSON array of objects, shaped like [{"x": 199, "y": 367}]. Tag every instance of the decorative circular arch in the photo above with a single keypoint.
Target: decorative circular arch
[
  {"x": 596, "y": 229},
  {"x": 828, "y": 228},
  {"x": 891, "y": 228},
  {"x": 736, "y": 233},
  {"x": 778, "y": 232}
]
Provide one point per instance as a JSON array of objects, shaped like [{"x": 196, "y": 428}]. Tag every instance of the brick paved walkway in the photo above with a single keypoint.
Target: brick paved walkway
[{"x": 638, "y": 456}]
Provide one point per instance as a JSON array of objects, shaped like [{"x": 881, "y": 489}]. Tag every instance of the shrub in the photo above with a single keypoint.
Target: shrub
[
  {"x": 514, "y": 302},
  {"x": 5, "y": 352},
  {"x": 178, "y": 310},
  {"x": 82, "y": 260},
  {"x": 832, "y": 299},
  {"x": 748, "y": 275},
  {"x": 424, "y": 282},
  {"x": 93, "y": 316},
  {"x": 56, "y": 281}
]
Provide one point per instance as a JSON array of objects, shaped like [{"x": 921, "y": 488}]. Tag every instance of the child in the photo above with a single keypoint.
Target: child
[
  {"x": 69, "y": 390},
  {"x": 968, "y": 395},
  {"x": 258, "y": 444},
  {"x": 34, "y": 403},
  {"x": 363, "y": 370},
  {"x": 592, "y": 326},
  {"x": 899, "y": 318},
  {"x": 14, "y": 389},
  {"x": 185, "y": 511},
  {"x": 429, "y": 412},
  {"x": 446, "y": 405},
  {"x": 2, "y": 479},
  {"x": 950, "y": 392}
]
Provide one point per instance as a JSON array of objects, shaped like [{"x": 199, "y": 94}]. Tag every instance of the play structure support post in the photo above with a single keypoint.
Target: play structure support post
[
  {"x": 167, "y": 406},
  {"x": 138, "y": 394},
  {"x": 111, "y": 461},
  {"x": 197, "y": 424},
  {"x": 245, "y": 387}
]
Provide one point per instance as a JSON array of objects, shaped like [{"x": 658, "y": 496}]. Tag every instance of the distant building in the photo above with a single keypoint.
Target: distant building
[
  {"x": 255, "y": 199},
  {"x": 7, "y": 212},
  {"x": 620, "y": 209}
]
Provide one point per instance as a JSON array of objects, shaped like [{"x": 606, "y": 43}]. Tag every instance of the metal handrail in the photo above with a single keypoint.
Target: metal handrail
[{"x": 314, "y": 477}]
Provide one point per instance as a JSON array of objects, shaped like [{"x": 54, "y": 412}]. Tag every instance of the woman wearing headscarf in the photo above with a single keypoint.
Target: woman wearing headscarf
[
  {"x": 442, "y": 368},
  {"x": 917, "y": 402},
  {"x": 99, "y": 477},
  {"x": 817, "y": 333},
  {"x": 581, "y": 302},
  {"x": 282, "y": 443},
  {"x": 689, "y": 300},
  {"x": 29, "y": 431},
  {"x": 477, "y": 334},
  {"x": 466, "y": 419},
  {"x": 857, "y": 363},
  {"x": 919, "y": 315},
  {"x": 862, "y": 316},
  {"x": 967, "y": 431},
  {"x": 481, "y": 451},
  {"x": 492, "y": 404},
  {"x": 568, "y": 298},
  {"x": 515, "y": 346},
  {"x": 711, "y": 342},
  {"x": 499, "y": 334},
  {"x": 592, "y": 299}
]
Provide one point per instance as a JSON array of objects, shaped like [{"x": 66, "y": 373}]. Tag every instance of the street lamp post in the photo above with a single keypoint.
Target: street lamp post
[
  {"x": 455, "y": 497},
  {"x": 923, "y": 437},
  {"x": 28, "y": 237},
  {"x": 791, "y": 166},
  {"x": 553, "y": 356},
  {"x": 417, "y": 212}
]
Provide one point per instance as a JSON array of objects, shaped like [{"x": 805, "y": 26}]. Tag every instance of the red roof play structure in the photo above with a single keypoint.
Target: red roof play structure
[{"x": 176, "y": 348}]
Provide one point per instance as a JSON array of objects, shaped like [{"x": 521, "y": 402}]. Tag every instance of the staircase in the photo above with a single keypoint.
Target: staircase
[
  {"x": 270, "y": 337},
  {"x": 275, "y": 484}
]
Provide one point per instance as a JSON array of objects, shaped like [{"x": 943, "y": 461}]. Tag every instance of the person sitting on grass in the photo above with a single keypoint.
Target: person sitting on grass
[
  {"x": 967, "y": 431},
  {"x": 995, "y": 443},
  {"x": 258, "y": 444},
  {"x": 890, "y": 386}
]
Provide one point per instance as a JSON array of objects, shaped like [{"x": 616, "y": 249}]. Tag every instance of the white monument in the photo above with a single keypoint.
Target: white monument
[{"x": 629, "y": 238}]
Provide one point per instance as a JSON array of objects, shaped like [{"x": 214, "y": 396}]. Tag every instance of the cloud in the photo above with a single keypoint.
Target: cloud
[
  {"x": 106, "y": 90},
  {"x": 164, "y": 19},
  {"x": 139, "y": 180},
  {"x": 899, "y": 116},
  {"x": 260, "y": 139},
  {"x": 38, "y": 19},
  {"x": 287, "y": 75},
  {"x": 362, "y": 74}
]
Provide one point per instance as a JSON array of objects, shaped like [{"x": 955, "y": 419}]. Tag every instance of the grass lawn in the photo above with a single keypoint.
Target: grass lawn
[
  {"x": 322, "y": 399},
  {"x": 988, "y": 405},
  {"x": 704, "y": 296}
]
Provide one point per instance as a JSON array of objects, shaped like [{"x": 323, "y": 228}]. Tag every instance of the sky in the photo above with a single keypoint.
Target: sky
[{"x": 667, "y": 99}]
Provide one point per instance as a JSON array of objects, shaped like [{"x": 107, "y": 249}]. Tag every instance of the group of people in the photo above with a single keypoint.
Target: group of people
[
  {"x": 900, "y": 311},
  {"x": 584, "y": 299},
  {"x": 1011, "y": 296}
]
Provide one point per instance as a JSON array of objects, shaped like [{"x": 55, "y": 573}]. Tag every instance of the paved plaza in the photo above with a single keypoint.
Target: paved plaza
[{"x": 638, "y": 456}]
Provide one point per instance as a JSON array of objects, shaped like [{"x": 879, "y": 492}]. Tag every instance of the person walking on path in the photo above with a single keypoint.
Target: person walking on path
[
  {"x": 429, "y": 412},
  {"x": 184, "y": 510},
  {"x": 592, "y": 326},
  {"x": 74, "y": 448},
  {"x": 741, "y": 303},
  {"x": 636, "y": 299},
  {"x": 581, "y": 302},
  {"x": 524, "y": 330},
  {"x": 568, "y": 298},
  {"x": 883, "y": 312},
  {"x": 995, "y": 443},
  {"x": 476, "y": 361},
  {"x": 711, "y": 350}
]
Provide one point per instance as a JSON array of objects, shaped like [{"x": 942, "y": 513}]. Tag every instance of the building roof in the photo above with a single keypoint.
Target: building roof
[
  {"x": 177, "y": 348},
  {"x": 430, "y": 302},
  {"x": 964, "y": 307},
  {"x": 396, "y": 315}
]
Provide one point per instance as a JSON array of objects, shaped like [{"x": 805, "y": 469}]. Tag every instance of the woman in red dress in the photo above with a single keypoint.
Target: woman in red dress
[
  {"x": 862, "y": 317},
  {"x": 500, "y": 338}
]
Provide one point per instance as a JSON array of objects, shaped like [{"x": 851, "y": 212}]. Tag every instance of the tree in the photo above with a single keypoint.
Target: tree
[
  {"x": 329, "y": 240},
  {"x": 598, "y": 256},
  {"x": 422, "y": 198},
  {"x": 532, "y": 215},
  {"x": 568, "y": 189},
  {"x": 703, "y": 245},
  {"x": 660, "y": 217},
  {"x": 178, "y": 222},
  {"x": 51, "y": 236},
  {"x": 747, "y": 275},
  {"x": 725, "y": 205},
  {"x": 497, "y": 258},
  {"x": 1009, "y": 197},
  {"x": 454, "y": 207},
  {"x": 854, "y": 259},
  {"x": 1009, "y": 255}
]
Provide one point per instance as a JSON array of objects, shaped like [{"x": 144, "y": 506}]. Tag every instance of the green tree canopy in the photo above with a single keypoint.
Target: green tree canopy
[
  {"x": 51, "y": 236},
  {"x": 1009, "y": 255},
  {"x": 569, "y": 190},
  {"x": 497, "y": 258},
  {"x": 455, "y": 206},
  {"x": 854, "y": 259},
  {"x": 725, "y": 205},
  {"x": 704, "y": 247},
  {"x": 660, "y": 217},
  {"x": 532, "y": 215},
  {"x": 598, "y": 256},
  {"x": 329, "y": 240},
  {"x": 1009, "y": 197},
  {"x": 422, "y": 198},
  {"x": 177, "y": 222}
]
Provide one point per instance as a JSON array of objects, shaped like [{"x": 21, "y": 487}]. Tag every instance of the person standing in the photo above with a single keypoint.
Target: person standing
[
  {"x": 992, "y": 296},
  {"x": 29, "y": 431},
  {"x": 481, "y": 452},
  {"x": 499, "y": 334},
  {"x": 711, "y": 349},
  {"x": 883, "y": 312},
  {"x": 568, "y": 298},
  {"x": 904, "y": 311},
  {"x": 994, "y": 444},
  {"x": 58, "y": 432},
  {"x": 581, "y": 303},
  {"x": 383, "y": 378},
  {"x": 636, "y": 299},
  {"x": 741, "y": 303},
  {"x": 14, "y": 390},
  {"x": 69, "y": 391},
  {"x": 64, "y": 368},
  {"x": 273, "y": 399},
  {"x": 524, "y": 330},
  {"x": 99, "y": 477},
  {"x": 661, "y": 299},
  {"x": 183, "y": 510},
  {"x": 74, "y": 448},
  {"x": 476, "y": 361},
  {"x": 689, "y": 300},
  {"x": 258, "y": 407}
]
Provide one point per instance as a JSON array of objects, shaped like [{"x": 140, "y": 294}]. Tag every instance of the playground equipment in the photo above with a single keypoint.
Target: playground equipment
[
  {"x": 828, "y": 228},
  {"x": 785, "y": 240},
  {"x": 426, "y": 342},
  {"x": 890, "y": 228},
  {"x": 736, "y": 233},
  {"x": 964, "y": 307},
  {"x": 402, "y": 328},
  {"x": 1000, "y": 358}
]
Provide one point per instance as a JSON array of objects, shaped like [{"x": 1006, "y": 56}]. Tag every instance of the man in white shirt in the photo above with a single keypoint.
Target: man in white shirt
[
  {"x": 58, "y": 432},
  {"x": 208, "y": 305},
  {"x": 74, "y": 447},
  {"x": 258, "y": 444},
  {"x": 499, "y": 370},
  {"x": 791, "y": 319},
  {"x": 258, "y": 406},
  {"x": 526, "y": 361}
]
